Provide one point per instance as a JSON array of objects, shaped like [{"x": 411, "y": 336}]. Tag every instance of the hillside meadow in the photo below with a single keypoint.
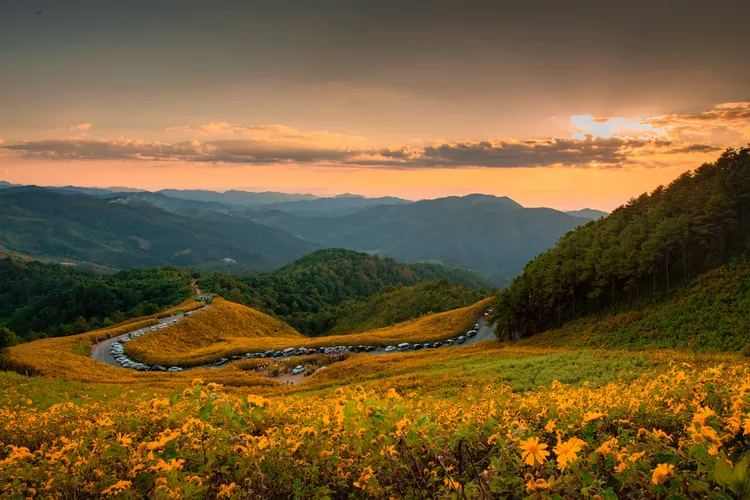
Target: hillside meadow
[
  {"x": 710, "y": 314},
  {"x": 226, "y": 329},
  {"x": 67, "y": 358},
  {"x": 472, "y": 422}
]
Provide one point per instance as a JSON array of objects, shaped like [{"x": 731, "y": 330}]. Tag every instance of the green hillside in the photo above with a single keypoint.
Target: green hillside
[
  {"x": 124, "y": 234},
  {"x": 401, "y": 303},
  {"x": 317, "y": 282},
  {"x": 47, "y": 300},
  {"x": 639, "y": 256},
  {"x": 711, "y": 314}
]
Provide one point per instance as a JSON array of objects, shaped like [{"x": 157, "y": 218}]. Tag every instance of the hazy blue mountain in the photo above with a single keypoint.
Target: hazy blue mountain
[
  {"x": 492, "y": 235},
  {"x": 176, "y": 205},
  {"x": 235, "y": 197},
  {"x": 588, "y": 213},
  {"x": 113, "y": 233},
  {"x": 338, "y": 205}
]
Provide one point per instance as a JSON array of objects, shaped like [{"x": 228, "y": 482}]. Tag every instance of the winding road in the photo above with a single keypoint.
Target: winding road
[{"x": 101, "y": 351}]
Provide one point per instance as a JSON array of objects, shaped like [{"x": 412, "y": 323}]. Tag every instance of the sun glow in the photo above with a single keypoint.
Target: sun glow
[{"x": 587, "y": 125}]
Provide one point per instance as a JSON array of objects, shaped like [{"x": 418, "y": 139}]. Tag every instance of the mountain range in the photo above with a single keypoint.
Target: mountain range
[{"x": 236, "y": 231}]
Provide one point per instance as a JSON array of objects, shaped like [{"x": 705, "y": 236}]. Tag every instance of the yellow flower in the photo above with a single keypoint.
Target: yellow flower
[
  {"x": 660, "y": 434},
  {"x": 392, "y": 394},
  {"x": 636, "y": 456},
  {"x": 364, "y": 477},
  {"x": 590, "y": 416},
  {"x": 567, "y": 452},
  {"x": 117, "y": 488},
  {"x": 225, "y": 490},
  {"x": 539, "y": 484},
  {"x": 662, "y": 472},
  {"x": 450, "y": 483},
  {"x": 124, "y": 439},
  {"x": 533, "y": 451},
  {"x": 550, "y": 426},
  {"x": 606, "y": 447}
]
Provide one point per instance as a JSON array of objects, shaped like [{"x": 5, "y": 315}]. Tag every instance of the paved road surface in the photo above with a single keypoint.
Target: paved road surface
[{"x": 101, "y": 352}]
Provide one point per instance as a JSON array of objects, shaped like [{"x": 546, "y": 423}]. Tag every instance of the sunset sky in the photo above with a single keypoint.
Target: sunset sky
[{"x": 561, "y": 104}]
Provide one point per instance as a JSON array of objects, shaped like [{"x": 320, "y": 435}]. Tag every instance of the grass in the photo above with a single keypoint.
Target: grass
[
  {"x": 221, "y": 322},
  {"x": 67, "y": 358},
  {"x": 710, "y": 315},
  {"x": 443, "y": 423},
  {"x": 202, "y": 339}
]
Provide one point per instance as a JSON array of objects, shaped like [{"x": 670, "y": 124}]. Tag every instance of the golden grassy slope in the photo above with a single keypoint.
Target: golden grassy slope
[
  {"x": 204, "y": 338},
  {"x": 67, "y": 358},
  {"x": 220, "y": 322}
]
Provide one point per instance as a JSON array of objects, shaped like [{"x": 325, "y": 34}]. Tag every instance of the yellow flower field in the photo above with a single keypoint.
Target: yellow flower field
[{"x": 621, "y": 426}]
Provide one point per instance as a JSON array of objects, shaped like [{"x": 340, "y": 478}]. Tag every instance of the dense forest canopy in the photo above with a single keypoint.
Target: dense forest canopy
[
  {"x": 640, "y": 252},
  {"x": 46, "y": 300},
  {"x": 400, "y": 303},
  {"x": 304, "y": 292}
]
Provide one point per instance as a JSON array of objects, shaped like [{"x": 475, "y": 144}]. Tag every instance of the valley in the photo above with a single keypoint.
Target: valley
[{"x": 347, "y": 374}]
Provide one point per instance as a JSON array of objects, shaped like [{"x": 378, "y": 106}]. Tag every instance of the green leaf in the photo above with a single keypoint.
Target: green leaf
[{"x": 588, "y": 479}]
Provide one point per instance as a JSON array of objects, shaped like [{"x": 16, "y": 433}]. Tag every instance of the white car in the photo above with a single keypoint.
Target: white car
[
  {"x": 390, "y": 348},
  {"x": 298, "y": 369},
  {"x": 174, "y": 369}
]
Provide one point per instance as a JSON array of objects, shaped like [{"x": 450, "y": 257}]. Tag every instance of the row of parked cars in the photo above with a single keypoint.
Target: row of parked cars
[
  {"x": 118, "y": 351},
  {"x": 297, "y": 351},
  {"x": 403, "y": 347}
]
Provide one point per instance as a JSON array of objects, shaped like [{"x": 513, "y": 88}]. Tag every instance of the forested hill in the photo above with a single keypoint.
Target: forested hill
[
  {"x": 324, "y": 279},
  {"x": 639, "y": 253},
  {"x": 39, "y": 300},
  {"x": 401, "y": 303}
]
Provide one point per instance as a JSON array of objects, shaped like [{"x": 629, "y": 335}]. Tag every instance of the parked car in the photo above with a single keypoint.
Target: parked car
[
  {"x": 461, "y": 339},
  {"x": 404, "y": 346},
  {"x": 298, "y": 369},
  {"x": 390, "y": 348},
  {"x": 448, "y": 342},
  {"x": 174, "y": 369},
  {"x": 418, "y": 347},
  {"x": 476, "y": 326},
  {"x": 370, "y": 348},
  {"x": 471, "y": 333}
]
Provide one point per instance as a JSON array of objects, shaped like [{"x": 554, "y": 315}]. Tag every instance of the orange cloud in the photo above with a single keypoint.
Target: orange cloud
[
  {"x": 269, "y": 133},
  {"x": 81, "y": 126},
  {"x": 601, "y": 143}
]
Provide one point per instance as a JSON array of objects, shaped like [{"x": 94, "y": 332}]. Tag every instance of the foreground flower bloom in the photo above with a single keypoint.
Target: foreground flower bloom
[
  {"x": 567, "y": 452},
  {"x": 662, "y": 472},
  {"x": 533, "y": 451}
]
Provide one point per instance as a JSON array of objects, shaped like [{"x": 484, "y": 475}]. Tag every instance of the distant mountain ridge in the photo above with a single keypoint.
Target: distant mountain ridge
[
  {"x": 588, "y": 213},
  {"x": 43, "y": 223},
  {"x": 490, "y": 234}
]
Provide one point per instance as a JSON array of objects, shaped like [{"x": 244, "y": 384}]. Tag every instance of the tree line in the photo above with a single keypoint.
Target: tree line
[
  {"x": 307, "y": 292},
  {"x": 638, "y": 254},
  {"x": 40, "y": 299}
]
